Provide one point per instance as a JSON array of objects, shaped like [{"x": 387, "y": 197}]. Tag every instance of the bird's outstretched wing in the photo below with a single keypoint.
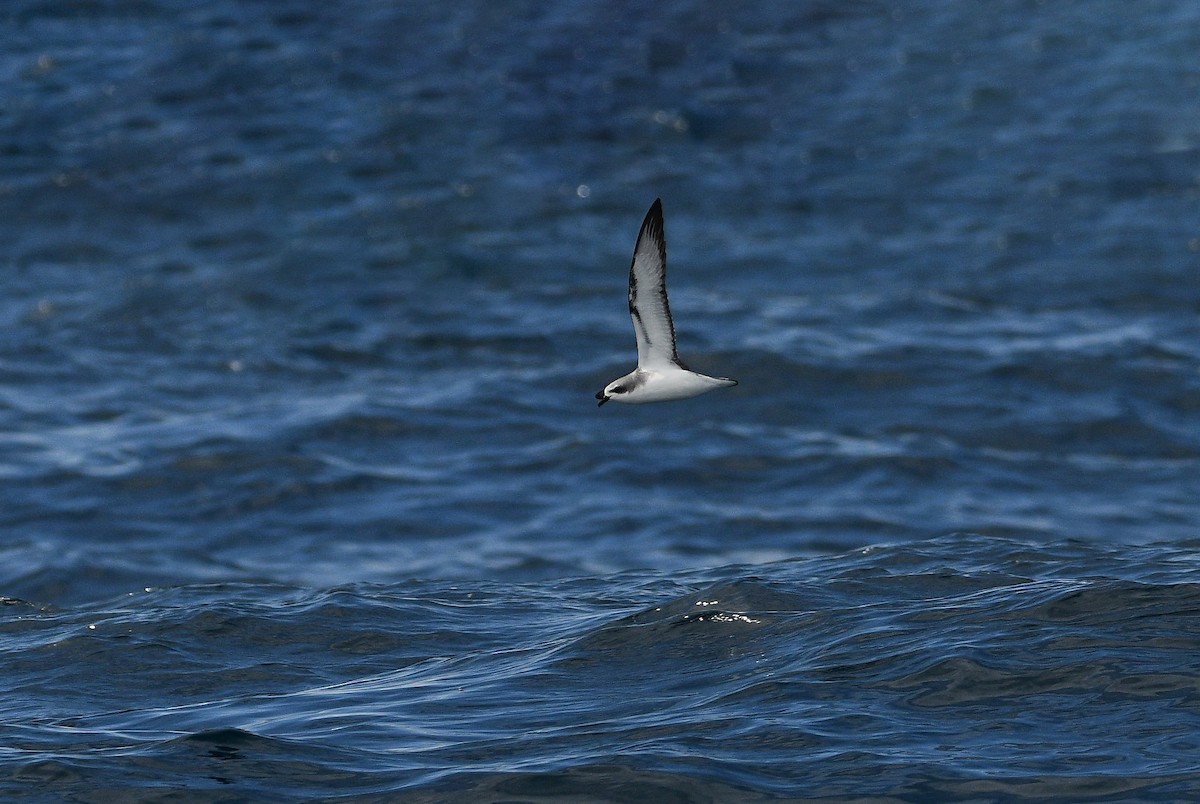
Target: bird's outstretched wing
[{"x": 648, "y": 295}]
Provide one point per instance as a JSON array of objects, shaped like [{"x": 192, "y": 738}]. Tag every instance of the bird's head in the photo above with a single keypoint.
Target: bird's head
[{"x": 614, "y": 390}]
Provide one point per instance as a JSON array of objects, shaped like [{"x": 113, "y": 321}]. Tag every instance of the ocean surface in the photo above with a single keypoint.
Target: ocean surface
[{"x": 304, "y": 493}]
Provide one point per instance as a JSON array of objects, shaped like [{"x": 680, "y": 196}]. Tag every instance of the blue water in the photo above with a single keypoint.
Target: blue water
[{"x": 304, "y": 493}]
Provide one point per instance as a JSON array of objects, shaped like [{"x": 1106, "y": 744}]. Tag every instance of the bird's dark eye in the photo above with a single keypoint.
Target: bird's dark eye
[{"x": 620, "y": 389}]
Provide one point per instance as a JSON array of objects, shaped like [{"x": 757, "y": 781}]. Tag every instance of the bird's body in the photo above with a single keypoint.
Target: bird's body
[{"x": 659, "y": 376}]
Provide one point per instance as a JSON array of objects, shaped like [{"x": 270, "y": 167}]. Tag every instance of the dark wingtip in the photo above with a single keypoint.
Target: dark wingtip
[
  {"x": 655, "y": 212},
  {"x": 653, "y": 224}
]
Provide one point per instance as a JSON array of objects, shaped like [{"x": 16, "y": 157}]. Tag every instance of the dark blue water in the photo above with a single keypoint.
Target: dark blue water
[{"x": 304, "y": 493}]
